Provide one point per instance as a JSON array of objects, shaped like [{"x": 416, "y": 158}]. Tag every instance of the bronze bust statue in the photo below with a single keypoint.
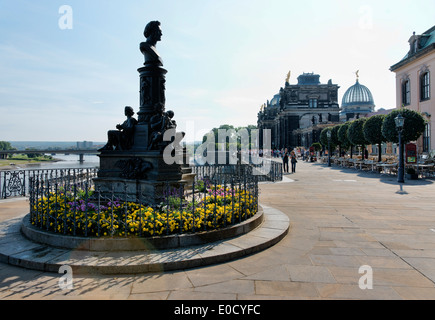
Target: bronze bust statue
[
  {"x": 122, "y": 139},
  {"x": 152, "y": 33}
]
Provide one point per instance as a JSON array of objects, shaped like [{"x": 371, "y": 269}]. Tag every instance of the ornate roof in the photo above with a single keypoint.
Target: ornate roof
[
  {"x": 419, "y": 45},
  {"x": 308, "y": 79},
  {"x": 357, "y": 95}
]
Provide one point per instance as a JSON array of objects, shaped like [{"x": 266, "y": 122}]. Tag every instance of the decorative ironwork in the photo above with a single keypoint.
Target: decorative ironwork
[
  {"x": 12, "y": 184},
  {"x": 16, "y": 183}
]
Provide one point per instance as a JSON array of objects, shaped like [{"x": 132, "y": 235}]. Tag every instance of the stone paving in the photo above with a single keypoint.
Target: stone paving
[{"x": 340, "y": 220}]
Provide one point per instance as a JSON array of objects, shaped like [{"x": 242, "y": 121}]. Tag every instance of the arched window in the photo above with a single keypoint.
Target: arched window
[
  {"x": 425, "y": 86},
  {"x": 406, "y": 92}
]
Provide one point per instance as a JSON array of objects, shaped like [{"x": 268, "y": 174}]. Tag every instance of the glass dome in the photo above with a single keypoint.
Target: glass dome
[{"x": 357, "y": 95}]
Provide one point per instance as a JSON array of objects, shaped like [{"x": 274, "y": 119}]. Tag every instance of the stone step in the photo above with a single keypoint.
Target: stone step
[{"x": 17, "y": 250}]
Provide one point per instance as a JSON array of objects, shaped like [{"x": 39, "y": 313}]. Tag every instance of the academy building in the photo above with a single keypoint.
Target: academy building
[{"x": 299, "y": 112}]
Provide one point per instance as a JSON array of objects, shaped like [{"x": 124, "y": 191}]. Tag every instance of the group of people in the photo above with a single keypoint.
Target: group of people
[{"x": 289, "y": 157}]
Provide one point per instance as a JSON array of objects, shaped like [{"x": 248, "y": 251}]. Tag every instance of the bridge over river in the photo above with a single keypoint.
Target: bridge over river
[{"x": 80, "y": 153}]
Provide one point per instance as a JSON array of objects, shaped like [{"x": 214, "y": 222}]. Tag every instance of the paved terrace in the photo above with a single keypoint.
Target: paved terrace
[{"x": 340, "y": 220}]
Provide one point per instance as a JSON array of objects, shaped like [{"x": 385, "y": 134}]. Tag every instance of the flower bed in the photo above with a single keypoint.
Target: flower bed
[{"x": 82, "y": 212}]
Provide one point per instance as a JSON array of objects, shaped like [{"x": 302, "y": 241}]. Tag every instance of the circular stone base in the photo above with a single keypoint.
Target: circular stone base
[
  {"x": 16, "y": 249},
  {"x": 136, "y": 243}
]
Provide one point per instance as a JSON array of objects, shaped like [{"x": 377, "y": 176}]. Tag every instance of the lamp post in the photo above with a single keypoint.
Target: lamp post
[
  {"x": 328, "y": 135},
  {"x": 400, "y": 121}
]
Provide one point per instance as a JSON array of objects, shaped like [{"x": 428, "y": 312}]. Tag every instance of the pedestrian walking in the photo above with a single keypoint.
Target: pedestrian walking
[
  {"x": 285, "y": 159},
  {"x": 294, "y": 160}
]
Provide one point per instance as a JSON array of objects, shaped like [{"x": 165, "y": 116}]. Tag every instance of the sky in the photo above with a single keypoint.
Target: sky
[{"x": 66, "y": 73}]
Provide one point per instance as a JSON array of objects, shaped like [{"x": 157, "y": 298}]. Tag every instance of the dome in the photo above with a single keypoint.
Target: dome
[
  {"x": 275, "y": 100},
  {"x": 357, "y": 95}
]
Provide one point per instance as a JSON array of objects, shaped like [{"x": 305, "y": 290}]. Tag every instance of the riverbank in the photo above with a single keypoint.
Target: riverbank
[
  {"x": 18, "y": 164},
  {"x": 60, "y": 162}
]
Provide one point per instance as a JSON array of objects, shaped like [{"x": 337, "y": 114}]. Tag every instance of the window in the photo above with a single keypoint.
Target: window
[
  {"x": 425, "y": 86},
  {"x": 426, "y": 139},
  {"x": 313, "y": 103},
  {"x": 406, "y": 93}
]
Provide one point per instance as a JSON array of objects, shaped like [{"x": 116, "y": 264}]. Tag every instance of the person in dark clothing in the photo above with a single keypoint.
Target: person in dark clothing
[
  {"x": 294, "y": 160},
  {"x": 285, "y": 159}
]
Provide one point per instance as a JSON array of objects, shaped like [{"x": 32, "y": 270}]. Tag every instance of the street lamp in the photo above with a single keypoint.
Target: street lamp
[
  {"x": 400, "y": 121},
  {"x": 328, "y": 135}
]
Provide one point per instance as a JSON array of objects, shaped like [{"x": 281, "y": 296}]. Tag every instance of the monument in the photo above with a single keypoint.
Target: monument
[{"x": 132, "y": 163}]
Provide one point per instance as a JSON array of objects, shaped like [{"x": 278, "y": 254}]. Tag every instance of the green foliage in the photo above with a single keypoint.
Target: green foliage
[
  {"x": 413, "y": 128},
  {"x": 373, "y": 132},
  {"x": 324, "y": 138},
  {"x": 32, "y": 155},
  {"x": 4, "y": 145},
  {"x": 342, "y": 135},
  {"x": 373, "y": 129},
  {"x": 334, "y": 136},
  {"x": 355, "y": 133},
  {"x": 232, "y": 136},
  {"x": 317, "y": 146}
]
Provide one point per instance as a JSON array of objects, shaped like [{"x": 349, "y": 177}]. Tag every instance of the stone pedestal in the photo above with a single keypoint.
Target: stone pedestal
[
  {"x": 152, "y": 101},
  {"x": 152, "y": 91},
  {"x": 137, "y": 175}
]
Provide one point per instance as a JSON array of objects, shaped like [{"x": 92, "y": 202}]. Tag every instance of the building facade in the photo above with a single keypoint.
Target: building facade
[
  {"x": 85, "y": 145},
  {"x": 299, "y": 112},
  {"x": 415, "y": 84}
]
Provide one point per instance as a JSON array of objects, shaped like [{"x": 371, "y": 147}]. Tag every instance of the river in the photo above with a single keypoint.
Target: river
[{"x": 66, "y": 162}]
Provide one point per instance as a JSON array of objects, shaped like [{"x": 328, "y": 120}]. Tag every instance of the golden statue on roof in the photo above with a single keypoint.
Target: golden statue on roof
[{"x": 288, "y": 77}]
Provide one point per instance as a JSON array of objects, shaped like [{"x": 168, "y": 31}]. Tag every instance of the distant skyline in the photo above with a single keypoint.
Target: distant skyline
[{"x": 68, "y": 68}]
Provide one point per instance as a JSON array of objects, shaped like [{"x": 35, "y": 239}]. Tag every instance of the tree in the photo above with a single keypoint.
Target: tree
[
  {"x": 32, "y": 155},
  {"x": 317, "y": 146},
  {"x": 355, "y": 134},
  {"x": 231, "y": 138},
  {"x": 342, "y": 135},
  {"x": 413, "y": 128},
  {"x": 373, "y": 132},
  {"x": 334, "y": 135},
  {"x": 324, "y": 138},
  {"x": 4, "y": 145}
]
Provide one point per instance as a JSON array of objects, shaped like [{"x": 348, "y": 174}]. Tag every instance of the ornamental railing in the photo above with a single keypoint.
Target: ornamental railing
[
  {"x": 16, "y": 183},
  {"x": 265, "y": 170},
  {"x": 214, "y": 200}
]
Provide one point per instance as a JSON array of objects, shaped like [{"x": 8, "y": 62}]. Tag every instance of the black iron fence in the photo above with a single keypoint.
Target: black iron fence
[
  {"x": 268, "y": 170},
  {"x": 265, "y": 170},
  {"x": 16, "y": 183},
  {"x": 219, "y": 196}
]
